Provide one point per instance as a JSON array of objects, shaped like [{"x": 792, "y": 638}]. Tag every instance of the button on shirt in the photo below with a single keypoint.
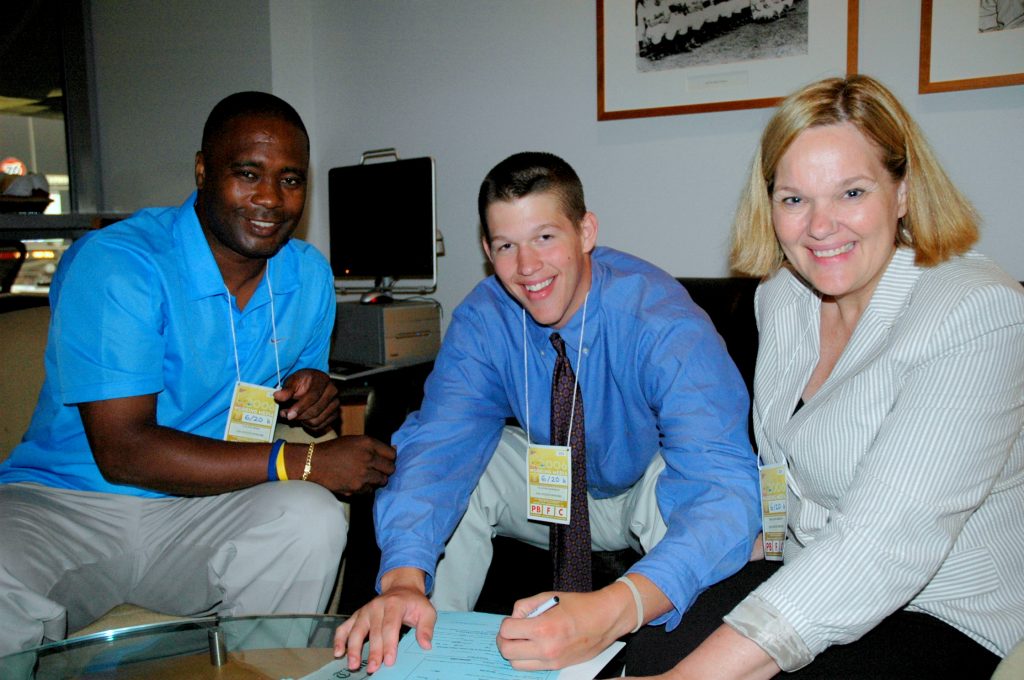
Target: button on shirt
[
  {"x": 140, "y": 307},
  {"x": 654, "y": 375}
]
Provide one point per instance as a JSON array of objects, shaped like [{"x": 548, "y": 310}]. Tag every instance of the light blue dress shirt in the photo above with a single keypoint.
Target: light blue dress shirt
[
  {"x": 654, "y": 376},
  {"x": 140, "y": 307}
]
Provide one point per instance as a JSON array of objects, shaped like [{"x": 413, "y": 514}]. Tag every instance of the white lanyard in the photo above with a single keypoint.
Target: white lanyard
[
  {"x": 576, "y": 374},
  {"x": 273, "y": 328},
  {"x": 776, "y": 484}
]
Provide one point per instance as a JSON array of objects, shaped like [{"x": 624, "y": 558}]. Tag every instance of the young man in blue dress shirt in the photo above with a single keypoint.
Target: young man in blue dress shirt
[{"x": 670, "y": 471}]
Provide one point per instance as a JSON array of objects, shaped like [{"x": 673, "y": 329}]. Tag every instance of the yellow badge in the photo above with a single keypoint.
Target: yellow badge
[
  {"x": 253, "y": 414},
  {"x": 550, "y": 482},
  {"x": 773, "y": 510}
]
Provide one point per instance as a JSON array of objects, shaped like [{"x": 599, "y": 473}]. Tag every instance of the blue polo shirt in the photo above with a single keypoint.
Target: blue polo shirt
[{"x": 140, "y": 307}]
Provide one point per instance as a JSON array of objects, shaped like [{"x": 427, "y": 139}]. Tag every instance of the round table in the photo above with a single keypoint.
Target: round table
[{"x": 227, "y": 648}]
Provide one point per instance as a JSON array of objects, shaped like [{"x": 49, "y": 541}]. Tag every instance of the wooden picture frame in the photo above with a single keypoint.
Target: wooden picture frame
[
  {"x": 956, "y": 54},
  {"x": 673, "y": 88}
]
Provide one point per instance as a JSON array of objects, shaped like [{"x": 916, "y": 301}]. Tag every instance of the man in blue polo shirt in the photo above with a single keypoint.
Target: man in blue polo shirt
[{"x": 172, "y": 332}]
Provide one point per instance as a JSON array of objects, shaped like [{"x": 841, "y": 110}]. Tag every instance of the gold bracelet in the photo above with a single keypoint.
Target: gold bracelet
[{"x": 309, "y": 461}]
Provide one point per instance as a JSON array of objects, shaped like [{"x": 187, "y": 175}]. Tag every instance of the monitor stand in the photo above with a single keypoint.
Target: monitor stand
[{"x": 381, "y": 293}]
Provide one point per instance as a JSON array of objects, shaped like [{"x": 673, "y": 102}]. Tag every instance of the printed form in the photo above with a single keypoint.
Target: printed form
[{"x": 464, "y": 649}]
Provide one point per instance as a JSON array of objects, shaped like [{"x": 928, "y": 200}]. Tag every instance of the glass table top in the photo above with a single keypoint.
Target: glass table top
[{"x": 284, "y": 646}]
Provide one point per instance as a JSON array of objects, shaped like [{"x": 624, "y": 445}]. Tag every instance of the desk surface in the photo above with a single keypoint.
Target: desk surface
[
  {"x": 342, "y": 370},
  {"x": 257, "y": 647}
]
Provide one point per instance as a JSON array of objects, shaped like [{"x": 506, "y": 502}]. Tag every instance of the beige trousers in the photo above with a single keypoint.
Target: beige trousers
[
  {"x": 498, "y": 507},
  {"x": 67, "y": 557}
]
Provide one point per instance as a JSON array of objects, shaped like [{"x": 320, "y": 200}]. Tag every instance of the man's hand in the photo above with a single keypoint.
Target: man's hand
[
  {"x": 578, "y": 629},
  {"x": 350, "y": 465},
  {"x": 130, "y": 448},
  {"x": 402, "y": 602},
  {"x": 310, "y": 399}
]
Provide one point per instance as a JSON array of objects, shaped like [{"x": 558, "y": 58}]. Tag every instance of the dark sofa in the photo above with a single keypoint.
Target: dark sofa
[{"x": 729, "y": 301}]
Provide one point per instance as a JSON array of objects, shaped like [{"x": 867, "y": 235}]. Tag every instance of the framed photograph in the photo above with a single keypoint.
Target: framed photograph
[
  {"x": 669, "y": 57},
  {"x": 967, "y": 45}
]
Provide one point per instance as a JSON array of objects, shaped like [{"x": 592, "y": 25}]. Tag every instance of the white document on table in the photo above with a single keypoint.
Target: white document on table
[{"x": 463, "y": 648}]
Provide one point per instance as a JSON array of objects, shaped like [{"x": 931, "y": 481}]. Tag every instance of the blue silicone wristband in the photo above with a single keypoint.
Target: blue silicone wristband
[{"x": 272, "y": 461}]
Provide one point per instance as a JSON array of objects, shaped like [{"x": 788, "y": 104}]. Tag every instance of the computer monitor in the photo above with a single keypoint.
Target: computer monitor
[{"x": 383, "y": 226}]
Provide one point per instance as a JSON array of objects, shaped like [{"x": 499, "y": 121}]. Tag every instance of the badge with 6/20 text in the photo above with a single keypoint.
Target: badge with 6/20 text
[
  {"x": 549, "y": 475},
  {"x": 773, "y": 510},
  {"x": 253, "y": 414}
]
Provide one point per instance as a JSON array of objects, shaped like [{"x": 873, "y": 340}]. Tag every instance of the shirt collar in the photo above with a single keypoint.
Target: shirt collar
[
  {"x": 891, "y": 292},
  {"x": 201, "y": 271},
  {"x": 571, "y": 331},
  {"x": 894, "y": 288}
]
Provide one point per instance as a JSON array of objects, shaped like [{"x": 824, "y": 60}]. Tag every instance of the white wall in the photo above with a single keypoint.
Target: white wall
[
  {"x": 294, "y": 80},
  {"x": 471, "y": 81},
  {"x": 160, "y": 67}
]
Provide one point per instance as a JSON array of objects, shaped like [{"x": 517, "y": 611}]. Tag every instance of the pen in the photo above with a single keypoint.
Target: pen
[{"x": 543, "y": 607}]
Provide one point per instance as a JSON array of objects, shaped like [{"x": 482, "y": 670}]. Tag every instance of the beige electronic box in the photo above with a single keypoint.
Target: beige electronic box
[{"x": 393, "y": 334}]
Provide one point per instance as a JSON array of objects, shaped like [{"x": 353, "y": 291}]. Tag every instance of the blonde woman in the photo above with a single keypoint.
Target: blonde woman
[{"x": 890, "y": 387}]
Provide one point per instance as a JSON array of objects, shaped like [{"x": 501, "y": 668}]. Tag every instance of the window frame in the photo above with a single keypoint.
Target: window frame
[{"x": 80, "y": 120}]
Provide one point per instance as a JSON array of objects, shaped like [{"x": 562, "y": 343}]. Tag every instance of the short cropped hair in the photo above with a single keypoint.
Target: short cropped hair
[
  {"x": 940, "y": 222},
  {"x": 249, "y": 103},
  {"x": 532, "y": 172}
]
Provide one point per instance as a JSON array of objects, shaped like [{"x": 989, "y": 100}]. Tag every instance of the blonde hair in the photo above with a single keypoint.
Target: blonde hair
[{"x": 940, "y": 222}]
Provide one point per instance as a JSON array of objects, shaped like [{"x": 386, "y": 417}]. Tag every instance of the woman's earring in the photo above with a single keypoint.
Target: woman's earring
[{"x": 905, "y": 234}]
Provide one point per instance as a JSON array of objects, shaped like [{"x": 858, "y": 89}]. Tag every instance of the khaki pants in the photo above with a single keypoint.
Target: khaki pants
[
  {"x": 498, "y": 507},
  {"x": 67, "y": 557}
]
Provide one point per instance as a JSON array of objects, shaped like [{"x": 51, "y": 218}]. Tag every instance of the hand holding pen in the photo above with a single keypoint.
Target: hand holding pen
[
  {"x": 543, "y": 607},
  {"x": 548, "y": 631}
]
